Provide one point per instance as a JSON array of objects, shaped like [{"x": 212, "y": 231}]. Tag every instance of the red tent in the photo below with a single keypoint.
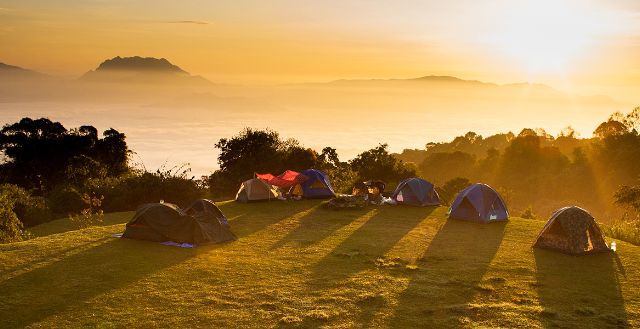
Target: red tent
[{"x": 286, "y": 179}]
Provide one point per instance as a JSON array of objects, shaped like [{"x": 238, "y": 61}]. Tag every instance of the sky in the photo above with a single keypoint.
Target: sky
[{"x": 588, "y": 46}]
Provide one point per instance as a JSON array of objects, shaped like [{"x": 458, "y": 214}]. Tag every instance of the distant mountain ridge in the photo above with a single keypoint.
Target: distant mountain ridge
[
  {"x": 142, "y": 70},
  {"x": 137, "y": 63},
  {"x": 443, "y": 79},
  {"x": 16, "y": 71}
]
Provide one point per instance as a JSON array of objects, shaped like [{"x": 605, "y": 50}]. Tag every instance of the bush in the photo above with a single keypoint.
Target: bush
[
  {"x": 31, "y": 210},
  {"x": 64, "y": 200},
  {"x": 451, "y": 188},
  {"x": 14, "y": 198},
  {"x": 91, "y": 214},
  {"x": 528, "y": 213},
  {"x": 623, "y": 230},
  {"x": 128, "y": 192},
  {"x": 10, "y": 225}
]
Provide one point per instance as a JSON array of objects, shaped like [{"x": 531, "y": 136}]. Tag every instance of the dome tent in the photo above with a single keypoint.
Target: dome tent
[
  {"x": 317, "y": 186},
  {"x": 479, "y": 203},
  {"x": 572, "y": 230},
  {"x": 416, "y": 192},
  {"x": 256, "y": 190},
  {"x": 206, "y": 206},
  {"x": 161, "y": 222}
]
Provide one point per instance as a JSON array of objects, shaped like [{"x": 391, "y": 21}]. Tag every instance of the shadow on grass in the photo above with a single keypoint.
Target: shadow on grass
[
  {"x": 47, "y": 256},
  {"x": 63, "y": 225},
  {"x": 68, "y": 283},
  {"x": 449, "y": 276},
  {"x": 368, "y": 243},
  {"x": 315, "y": 226},
  {"x": 249, "y": 218},
  {"x": 579, "y": 291}
]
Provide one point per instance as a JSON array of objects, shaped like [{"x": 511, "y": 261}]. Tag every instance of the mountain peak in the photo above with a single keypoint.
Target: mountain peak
[
  {"x": 139, "y": 64},
  {"x": 8, "y": 67}
]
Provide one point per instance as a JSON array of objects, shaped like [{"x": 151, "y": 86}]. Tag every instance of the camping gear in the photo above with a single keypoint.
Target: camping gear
[
  {"x": 163, "y": 222},
  {"x": 256, "y": 190},
  {"x": 416, "y": 192},
  {"x": 479, "y": 203},
  {"x": 347, "y": 202},
  {"x": 285, "y": 180},
  {"x": 572, "y": 230},
  {"x": 317, "y": 186}
]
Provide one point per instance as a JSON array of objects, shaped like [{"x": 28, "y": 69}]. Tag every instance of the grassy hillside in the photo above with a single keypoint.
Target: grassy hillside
[{"x": 298, "y": 265}]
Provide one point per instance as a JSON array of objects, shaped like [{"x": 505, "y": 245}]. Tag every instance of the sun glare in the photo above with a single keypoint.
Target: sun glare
[{"x": 546, "y": 36}]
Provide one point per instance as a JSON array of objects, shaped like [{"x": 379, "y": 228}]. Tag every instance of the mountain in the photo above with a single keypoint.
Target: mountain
[
  {"x": 16, "y": 72},
  {"x": 141, "y": 70}
]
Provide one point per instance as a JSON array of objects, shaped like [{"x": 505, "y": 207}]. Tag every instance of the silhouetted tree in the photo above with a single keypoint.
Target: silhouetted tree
[
  {"x": 378, "y": 163},
  {"x": 40, "y": 154}
]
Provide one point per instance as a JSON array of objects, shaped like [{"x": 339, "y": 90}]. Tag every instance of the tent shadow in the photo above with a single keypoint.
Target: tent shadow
[
  {"x": 369, "y": 242},
  {"x": 580, "y": 290},
  {"x": 314, "y": 227},
  {"x": 249, "y": 218},
  {"x": 47, "y": 256},
  {"x": 42, "y": 292},
  {"x": 450, "y": 275}
]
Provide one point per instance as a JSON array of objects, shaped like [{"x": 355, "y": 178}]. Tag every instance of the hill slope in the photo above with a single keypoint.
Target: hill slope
[{"x": 297, "y": 265}]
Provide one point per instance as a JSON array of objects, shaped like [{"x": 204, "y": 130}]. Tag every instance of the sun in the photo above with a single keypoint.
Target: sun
[{"x": 546, "y": 36}]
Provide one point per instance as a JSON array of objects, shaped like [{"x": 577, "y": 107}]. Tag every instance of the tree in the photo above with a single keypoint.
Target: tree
[
  {"x": 39, "y": 153},
  {"x": 377, "y": 163},
  {"x": 628, "y": 197},
  {"x": 243, "y": 155},
  {"x": 610, "y": 128},
  {"x": 451, "y": 188}
]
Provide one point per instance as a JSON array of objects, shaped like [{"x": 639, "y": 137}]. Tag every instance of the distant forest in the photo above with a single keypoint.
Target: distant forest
[
  {"x": 49, "y": 171},
  {"x": 535, "y": 169}
]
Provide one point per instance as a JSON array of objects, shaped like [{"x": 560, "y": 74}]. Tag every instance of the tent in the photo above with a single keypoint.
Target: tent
[
  {"x": 256, "y": 190},
  {"x": 572, "y": 230},
  {"x": 208, "y": 207},
  {"x": 286, "y": 179},
  {"x": 317, "y": 186},
  {"x": 479, "y": 203},
  {"x": 416, "y": 192},
  {"x": 162, "y": 222}
]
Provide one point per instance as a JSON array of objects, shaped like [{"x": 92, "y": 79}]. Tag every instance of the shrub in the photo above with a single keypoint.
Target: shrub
[
  {"x": 31, "y": 210},
  {"x": 128, "y": 192},
  {"x": 628, "y": 231},
  {"x": 64, "y": 200},
  {"x": 451, "y": 188},
  {"x": 528, "y": 213},
  {"x": 15, "y": 204},
  {"x": 91, "y": 214},
  {"x": 10, "y": 225}
]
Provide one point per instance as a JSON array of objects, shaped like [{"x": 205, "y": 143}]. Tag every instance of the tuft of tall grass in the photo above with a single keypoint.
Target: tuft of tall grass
[{"x": 628, "y": 231}]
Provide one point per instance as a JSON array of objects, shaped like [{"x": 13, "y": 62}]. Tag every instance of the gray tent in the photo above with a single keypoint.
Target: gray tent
[
  {"x": 162, "y": 222},
  {"x": 256, "y": 190}
]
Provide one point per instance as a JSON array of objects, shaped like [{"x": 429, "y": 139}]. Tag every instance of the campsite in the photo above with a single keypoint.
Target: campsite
[
  {"x": 319, "y": 164},
  {"x": 296, "y": 264}
]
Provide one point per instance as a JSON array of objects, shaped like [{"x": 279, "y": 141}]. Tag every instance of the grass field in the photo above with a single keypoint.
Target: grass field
[{"x": 298, "y": 265}]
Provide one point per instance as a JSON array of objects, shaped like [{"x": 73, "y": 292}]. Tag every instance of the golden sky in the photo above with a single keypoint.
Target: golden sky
[{"x": 586, "y": 46}]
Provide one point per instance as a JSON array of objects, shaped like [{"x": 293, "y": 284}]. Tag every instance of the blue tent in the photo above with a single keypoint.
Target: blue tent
[
  {"x": 479, "y": 203},
  {"x": 416, "y": 192},
  {"x": 317, "y": 186}
]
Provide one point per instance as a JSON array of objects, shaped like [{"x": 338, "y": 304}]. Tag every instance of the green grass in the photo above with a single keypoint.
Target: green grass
[{"x": 298, "y": 265}]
